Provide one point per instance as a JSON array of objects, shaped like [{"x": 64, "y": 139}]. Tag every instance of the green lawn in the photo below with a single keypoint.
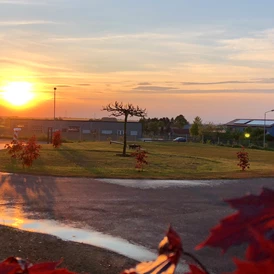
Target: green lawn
[{"x": 166, "y": 161}]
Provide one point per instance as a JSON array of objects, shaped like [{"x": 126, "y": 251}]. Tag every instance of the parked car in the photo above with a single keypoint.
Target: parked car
[{"x": 179, "y": 139}]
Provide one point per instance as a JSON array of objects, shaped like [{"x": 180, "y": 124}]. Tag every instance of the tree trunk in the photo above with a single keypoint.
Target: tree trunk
[{"x": 125, "y": 135}]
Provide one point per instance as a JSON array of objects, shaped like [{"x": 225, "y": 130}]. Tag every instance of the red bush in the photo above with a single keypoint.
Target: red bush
[
  {"x": 56, "y": 141},
  {"x": 26, "y": 153},
  {"x": 140, "y": 156},
  {"x": 30, "y": 152},
  {"x": 243, "y": 159}
]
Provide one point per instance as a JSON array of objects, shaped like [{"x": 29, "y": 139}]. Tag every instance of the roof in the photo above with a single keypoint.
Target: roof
[{"x": 251, "y": 123}]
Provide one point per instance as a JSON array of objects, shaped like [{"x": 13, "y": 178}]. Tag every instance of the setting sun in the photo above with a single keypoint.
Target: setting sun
[{"x": 18, "y": 93}]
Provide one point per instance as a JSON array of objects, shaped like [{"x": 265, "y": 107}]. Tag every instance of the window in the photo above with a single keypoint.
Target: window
[
  {"x": 86, "y": 131},
  {"x": 120, "y": 132},
  {"x": 107, "y": 132},
  {"x": 73, "y": 129},
  {"x": 37, "y": 128},
  {"x": 22, "y": 125},
  {"x": 134, "y": 133}
]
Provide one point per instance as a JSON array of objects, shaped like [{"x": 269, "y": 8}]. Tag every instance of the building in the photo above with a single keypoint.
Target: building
[
  {"x": 242, "y": 124},
  {"x": 88, "y": 130}
]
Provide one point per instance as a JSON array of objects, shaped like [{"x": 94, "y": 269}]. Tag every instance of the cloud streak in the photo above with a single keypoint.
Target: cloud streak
[
  {"x": 18, "y": 2},
  {"x": 113, "y": 37},
  {"x": 8, "y": 61},
  {"x": 167, "y": 90},
  {"x": 215, "y": 83},
  {"x": 254, "y": 81},
  {"x": 23, "y": 23}
]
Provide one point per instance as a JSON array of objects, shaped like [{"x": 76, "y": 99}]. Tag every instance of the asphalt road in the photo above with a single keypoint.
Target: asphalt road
[{"x": 140, "y": 215}]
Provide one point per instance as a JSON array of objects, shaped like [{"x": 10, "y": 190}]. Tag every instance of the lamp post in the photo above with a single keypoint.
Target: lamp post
[
  {"x": 54, "y": 103},
  {"x": 265, "y": 121}
]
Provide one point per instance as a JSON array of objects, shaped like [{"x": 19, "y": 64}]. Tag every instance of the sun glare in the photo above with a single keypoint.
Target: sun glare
[{"x": 18, "y": 93}]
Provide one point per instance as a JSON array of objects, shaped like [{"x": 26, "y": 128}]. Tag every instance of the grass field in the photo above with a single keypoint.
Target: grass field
[{"x": 166, "y": 161}]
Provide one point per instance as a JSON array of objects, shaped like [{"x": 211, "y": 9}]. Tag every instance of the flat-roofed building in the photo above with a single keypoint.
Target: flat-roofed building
[{"x": 73, "y": 129}]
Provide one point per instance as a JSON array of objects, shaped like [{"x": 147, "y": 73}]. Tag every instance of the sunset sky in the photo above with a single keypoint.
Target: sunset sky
[{"x": 211, "y": 58}]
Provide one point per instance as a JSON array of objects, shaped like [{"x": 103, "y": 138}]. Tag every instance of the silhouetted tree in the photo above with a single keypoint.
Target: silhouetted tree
[
  {"x": 196, "y": 127},
  {"x": 119, "y": 109},
  {"x": 180, "y": 121}
]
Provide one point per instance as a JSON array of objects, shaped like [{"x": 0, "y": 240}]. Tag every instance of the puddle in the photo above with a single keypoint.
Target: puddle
[
  {"x": 148, "y": 183},
  {"x": 14, "y": 217},
  {"x": 10, "y": 217}
]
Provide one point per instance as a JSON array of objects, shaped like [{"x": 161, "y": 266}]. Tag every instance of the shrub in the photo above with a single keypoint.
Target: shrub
[
  {"x": 140, "y": 156},
  {"x": 26, "y": 153},
  {"x": 56, "y": 140},
  {"x": 30, "y": 152},
  {"x": 243, "y": 159}
]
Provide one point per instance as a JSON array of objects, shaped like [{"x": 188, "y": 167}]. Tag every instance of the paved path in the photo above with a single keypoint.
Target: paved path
[{"x": 138, "y": 214}]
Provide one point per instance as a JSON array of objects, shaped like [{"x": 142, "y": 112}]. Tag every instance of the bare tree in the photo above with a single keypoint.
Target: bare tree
[{"x": 119, "y": 109}]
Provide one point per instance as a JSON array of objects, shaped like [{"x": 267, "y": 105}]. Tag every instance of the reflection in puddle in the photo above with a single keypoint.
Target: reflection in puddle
[
  {"x": 14, "y": 217},
  {"x": 149, "y": 183}
]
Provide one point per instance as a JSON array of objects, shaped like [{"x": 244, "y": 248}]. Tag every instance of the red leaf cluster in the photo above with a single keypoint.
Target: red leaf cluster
[
  {"x": 243, "y": 159},
  {"x": 26, "y": 153},
  {"x": 140, "y": 156},
  {"x": 56, "y": 140},
  {"x": 253, "y": 223},
  {"x": 170, "y": 250},
  {"x": 13, "y": 265}
]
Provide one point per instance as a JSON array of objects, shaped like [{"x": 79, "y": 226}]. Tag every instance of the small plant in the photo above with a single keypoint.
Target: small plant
[
  {"x": 140, "y": 156},
  {"x": 243, "y": 159},
  {"x": 56, "y": 141}
]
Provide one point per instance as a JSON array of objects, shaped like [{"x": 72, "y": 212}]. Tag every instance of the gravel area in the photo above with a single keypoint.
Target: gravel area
[{"x": 78, "y": 257}]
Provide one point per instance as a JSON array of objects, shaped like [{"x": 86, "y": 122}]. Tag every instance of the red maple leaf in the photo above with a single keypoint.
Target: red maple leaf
[
  {"x": 261, "y": 248},
  {"x": 263, "y": 267},
  {"x": 13, "y": 265},
  {"x": 170, "y": 249},
  {"x": 44, "y": 266},
  {"x": 253, "y": 211}
]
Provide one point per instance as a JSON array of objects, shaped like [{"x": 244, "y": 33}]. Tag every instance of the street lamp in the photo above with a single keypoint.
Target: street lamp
[
  {"x": 54, "y": 104},
  {"x": 264, "y": 123}
]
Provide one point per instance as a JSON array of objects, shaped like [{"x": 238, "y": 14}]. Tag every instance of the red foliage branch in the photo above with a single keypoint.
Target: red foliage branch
[{"x": 13, "y": 265}]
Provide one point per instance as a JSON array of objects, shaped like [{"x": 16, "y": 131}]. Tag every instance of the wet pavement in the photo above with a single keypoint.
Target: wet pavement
[{"x": 137, "y": 211}]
